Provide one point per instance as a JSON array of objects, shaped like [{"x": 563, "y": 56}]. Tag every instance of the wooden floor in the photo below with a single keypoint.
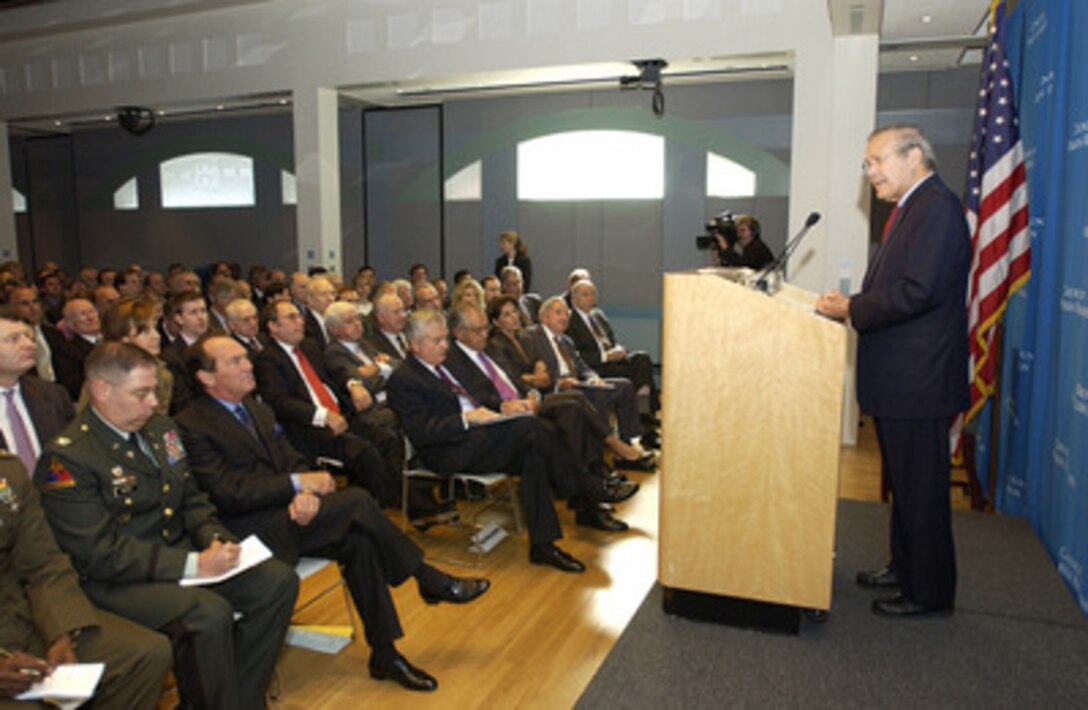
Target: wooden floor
[{"x": 537, "y": 637}]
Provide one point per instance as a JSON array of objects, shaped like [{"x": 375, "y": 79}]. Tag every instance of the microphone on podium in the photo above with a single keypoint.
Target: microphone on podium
[{"x": 760, "y": 280}]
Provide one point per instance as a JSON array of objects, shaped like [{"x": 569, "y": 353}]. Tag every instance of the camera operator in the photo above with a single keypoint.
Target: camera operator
[{"x": 739, "y": 243}]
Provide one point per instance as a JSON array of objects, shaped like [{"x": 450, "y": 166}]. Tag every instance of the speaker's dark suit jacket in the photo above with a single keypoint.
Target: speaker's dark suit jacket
[
  {"x": 248, "y": 478},
  {"x": 912, "y": 354},
  {"x": 912, "y": 377},
  {"x": 49, "y": 407},
  {"x": 282, "y": 387},
  {"x": 430, "y": 413}
]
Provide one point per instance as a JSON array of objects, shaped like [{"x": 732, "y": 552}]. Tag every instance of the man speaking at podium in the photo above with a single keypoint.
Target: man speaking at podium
[{"x": 912, "y": 363}]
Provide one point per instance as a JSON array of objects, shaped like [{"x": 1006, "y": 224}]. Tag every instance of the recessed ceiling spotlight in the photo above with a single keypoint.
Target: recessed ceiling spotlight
[
  {"x": 56, "y": 123},
  {"x": 283, "y": 102},
  {"x": 219, "y": 107},
  {"x": 914, "y": 57},
  {"x": 161, "y": 113},
  {"x": 926, "y": 19},
  {"x": 107, "y": 118}
]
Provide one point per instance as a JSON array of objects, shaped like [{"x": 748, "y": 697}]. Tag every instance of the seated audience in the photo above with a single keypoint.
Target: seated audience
[
  {"x": 445, "y": 425},
  {"x": 596, "y": 343},
  {"x": 263, "y": 486},
  {"x": 314, "y": 412},
  {"x": 117, "y": 492},
  {"x": 390, "y": 316},
  {"x": 549, "y": 344},
  {"x": 581, "y": 427}
]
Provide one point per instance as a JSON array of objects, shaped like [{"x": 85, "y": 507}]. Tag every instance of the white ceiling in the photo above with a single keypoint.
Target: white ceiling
[{"x": 915, "y": 35}]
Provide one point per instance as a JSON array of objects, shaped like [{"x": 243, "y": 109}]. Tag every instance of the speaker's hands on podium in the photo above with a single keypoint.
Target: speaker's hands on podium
[{"x": 834, "y": 305}]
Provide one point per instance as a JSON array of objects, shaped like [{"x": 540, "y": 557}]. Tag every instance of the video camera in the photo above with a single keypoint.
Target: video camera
[{"x": 722, "y": 224}]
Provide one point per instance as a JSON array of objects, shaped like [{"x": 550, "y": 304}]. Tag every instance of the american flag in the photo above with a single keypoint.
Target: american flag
[{"x": 996, "y": 202}]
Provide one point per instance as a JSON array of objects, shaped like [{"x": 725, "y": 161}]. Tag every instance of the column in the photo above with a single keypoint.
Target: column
[{"x": 317, "y": 173}]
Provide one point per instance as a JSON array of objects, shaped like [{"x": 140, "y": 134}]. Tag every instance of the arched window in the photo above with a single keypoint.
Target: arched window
[
  {"x": 592, "y": 165},
  {"x": 207, "y": 180},
  {"x": 127, "y": 197},
  {"x": 724, "y": 178},
  {"x": 466, "y": 184}
]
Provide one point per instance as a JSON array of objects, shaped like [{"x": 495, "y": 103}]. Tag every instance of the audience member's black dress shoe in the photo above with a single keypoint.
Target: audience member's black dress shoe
[
  {"x": 880, "y": 579},
  {"x": 549, "y": 554},
  {"x": 404, "y": 673},
  {"x": 900, "y": 608},
  {"x": 455, "y": 590},
  {"x": 599, "y": 520},
  {"x": 645, "y": 464}
]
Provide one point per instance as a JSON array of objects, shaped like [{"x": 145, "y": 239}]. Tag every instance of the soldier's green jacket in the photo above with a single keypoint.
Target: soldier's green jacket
[
  {"x": 40, "y": 597},
  {"x": 121, "y": 518}
]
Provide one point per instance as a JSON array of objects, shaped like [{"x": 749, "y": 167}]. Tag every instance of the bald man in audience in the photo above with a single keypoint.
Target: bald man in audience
[
  {"x": 320, "y": 294},
  {"x": 81, "y": 319},
  {"x": 243, "y": 323},
  {"x": 390, "y": 316}
]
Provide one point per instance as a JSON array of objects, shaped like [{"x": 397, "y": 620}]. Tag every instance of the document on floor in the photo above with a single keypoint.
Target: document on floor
[
  {"x": 68, "y": 686},
  {"x": 254, "y": 552}
]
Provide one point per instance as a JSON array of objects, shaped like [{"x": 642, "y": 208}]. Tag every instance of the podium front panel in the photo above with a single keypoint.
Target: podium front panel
[{"x": 751, "y": 424}]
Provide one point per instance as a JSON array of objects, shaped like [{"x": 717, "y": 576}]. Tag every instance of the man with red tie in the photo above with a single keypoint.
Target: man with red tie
[
  {"x": 292, "y": 379},
  {"x": 912, "y": 363}
]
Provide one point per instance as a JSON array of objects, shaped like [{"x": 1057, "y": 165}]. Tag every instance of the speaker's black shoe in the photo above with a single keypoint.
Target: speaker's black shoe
[
  {"x": 880, "y": 579},
  {"x": 902, "y": 608}
]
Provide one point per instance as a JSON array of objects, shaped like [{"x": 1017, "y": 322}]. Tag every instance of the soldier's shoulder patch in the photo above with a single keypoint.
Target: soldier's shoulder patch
[{"x": 57, "y": 476}]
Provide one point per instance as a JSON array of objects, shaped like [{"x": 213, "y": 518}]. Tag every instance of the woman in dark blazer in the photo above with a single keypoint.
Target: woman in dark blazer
[{"x": 515, "y": 253}]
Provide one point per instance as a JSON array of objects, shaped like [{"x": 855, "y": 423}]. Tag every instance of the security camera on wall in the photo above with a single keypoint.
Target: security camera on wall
[{"x": 135, "y": 119}]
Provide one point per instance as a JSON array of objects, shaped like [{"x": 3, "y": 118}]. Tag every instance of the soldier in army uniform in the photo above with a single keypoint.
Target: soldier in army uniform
[
  {"x": 46, "y": 620},
  {"x": 117, "y": 491}
]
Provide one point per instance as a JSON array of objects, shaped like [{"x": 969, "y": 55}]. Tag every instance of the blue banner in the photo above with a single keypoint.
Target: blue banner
[{"x": 1043, "y": 438}]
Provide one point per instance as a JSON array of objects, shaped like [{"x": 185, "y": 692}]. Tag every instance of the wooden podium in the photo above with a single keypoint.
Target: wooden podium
[{"x": 752, "y": 389}]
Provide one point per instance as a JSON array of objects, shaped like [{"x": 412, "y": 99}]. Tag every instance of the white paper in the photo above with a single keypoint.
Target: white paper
[
  {"x": 71, "y": 682},
  {"x": 254, "y": 553}
]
